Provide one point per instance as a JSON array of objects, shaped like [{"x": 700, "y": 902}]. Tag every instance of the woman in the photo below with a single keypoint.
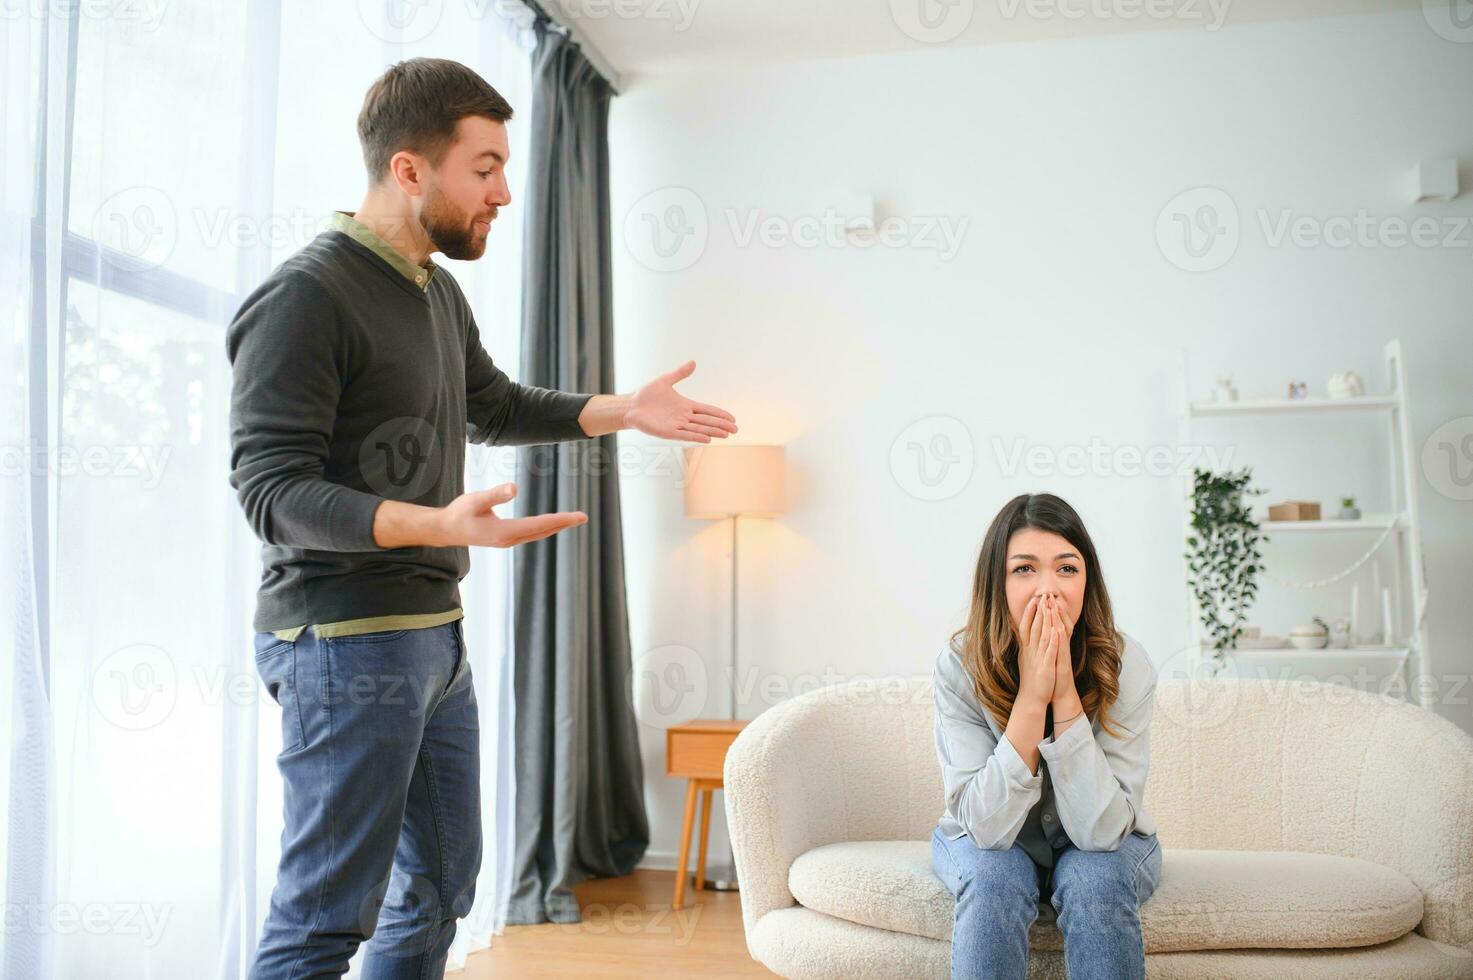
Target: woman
[{"x": 1043, "y": 723}]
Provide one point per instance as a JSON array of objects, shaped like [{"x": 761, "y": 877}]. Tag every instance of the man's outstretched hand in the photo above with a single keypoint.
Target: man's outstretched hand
[
  {"x": 466, "y": 520},
  {"x": 659, "y": 410},
  {"x": 469, "y": 519}
]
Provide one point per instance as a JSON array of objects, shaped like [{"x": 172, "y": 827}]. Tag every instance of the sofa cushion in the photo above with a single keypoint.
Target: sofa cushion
[
  {"x": 1206, "y": 899},
  {"x": 799, "y": 942}
]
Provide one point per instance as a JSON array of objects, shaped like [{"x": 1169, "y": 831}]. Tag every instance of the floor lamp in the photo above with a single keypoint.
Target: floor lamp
[{"x": 731, "y": 482}]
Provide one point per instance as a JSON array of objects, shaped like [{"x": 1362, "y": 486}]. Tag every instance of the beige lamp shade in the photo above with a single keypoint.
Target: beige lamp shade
[{"x": 722, "y": 481}]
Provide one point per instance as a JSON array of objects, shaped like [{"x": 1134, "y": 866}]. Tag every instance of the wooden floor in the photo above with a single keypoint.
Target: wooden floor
[{"x": 628, "y": 931}]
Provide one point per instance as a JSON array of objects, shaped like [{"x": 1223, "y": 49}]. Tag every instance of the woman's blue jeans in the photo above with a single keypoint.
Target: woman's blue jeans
[
  {"x": 381, "y": 771},
  {"x": 1097, "y": 895}
]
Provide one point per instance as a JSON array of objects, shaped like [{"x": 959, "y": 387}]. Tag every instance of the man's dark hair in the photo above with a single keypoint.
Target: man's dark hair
[{"x": 415, "y": 106}]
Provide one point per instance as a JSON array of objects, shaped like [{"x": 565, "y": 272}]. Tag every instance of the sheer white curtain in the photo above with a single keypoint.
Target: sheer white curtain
[
  {"x": 27, "y": 780},
  {"x": 159, "y": 161}
]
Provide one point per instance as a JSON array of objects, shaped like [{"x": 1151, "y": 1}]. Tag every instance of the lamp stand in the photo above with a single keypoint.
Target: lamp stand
[
  {"x": 734, "y": 519},
  {"x": 724, "y": 879}
]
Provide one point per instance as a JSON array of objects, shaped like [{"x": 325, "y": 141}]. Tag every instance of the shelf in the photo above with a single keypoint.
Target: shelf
[
  {"x": 1273, "y": 406},
  {"x": 1323, "y": 653},
  {"x": 1368, "y": 522},
  {"x": 1369, "y": 669},
  {"x": 1400, "y": 525}
]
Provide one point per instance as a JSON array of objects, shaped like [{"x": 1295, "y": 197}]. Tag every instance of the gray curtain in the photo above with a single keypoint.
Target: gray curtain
[{"x": 580, "y": 781}]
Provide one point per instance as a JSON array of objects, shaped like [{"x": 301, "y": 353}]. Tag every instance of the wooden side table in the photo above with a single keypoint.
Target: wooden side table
[{"x": 697, "y": 751}]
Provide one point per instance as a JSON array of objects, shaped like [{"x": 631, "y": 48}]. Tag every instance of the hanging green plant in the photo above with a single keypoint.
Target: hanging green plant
[{"x": 1223, "y": 556}]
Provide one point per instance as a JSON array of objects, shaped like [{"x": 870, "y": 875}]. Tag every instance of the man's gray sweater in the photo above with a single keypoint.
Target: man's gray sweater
[{"x": 353, "y": 385}]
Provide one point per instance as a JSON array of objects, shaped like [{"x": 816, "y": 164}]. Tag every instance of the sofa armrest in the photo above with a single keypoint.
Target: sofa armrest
[
  {"x": 1415, "y": 814},
  {"x": 780, "y": 803},
  {"x": 853, "y": 761}
]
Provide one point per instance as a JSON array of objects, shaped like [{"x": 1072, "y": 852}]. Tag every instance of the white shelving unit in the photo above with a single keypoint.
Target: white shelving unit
[
  {"x": 1295, "y": 406},
  {"x": 1406, "y": 654},
  {"x": 1371, "y": 522}
]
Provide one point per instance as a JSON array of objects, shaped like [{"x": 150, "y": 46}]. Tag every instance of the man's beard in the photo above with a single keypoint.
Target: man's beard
[{"x": 449, "y": 230}]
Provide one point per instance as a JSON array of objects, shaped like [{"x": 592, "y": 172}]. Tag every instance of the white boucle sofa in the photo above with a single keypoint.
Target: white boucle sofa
[{"x": 1306, "y": 831}]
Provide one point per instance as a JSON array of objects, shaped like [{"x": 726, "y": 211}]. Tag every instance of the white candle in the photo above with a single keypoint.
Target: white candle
[
  {"x": 1354, "y": 613},
  {"x": 1387, "y": 630},
  {"x": 1375, "y": 591}
]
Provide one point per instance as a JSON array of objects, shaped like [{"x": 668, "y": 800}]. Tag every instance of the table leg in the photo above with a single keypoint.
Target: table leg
[
  {"x": 684, "y": 860},
  {"x": 705, "y": 835}
]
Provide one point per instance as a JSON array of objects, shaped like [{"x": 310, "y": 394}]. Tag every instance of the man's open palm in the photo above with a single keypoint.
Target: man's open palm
[
  {"x": 660, "y": 410},
  {"x": 470, "y": 520}
]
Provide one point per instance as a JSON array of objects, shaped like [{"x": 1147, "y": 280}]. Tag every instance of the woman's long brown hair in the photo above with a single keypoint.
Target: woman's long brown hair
[{"x": 988, "y": 644}]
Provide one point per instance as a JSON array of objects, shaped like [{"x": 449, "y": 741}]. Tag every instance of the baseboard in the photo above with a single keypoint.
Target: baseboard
[
  {"x": 658, "y": 861},
  {"x": 665, "y": 860}
]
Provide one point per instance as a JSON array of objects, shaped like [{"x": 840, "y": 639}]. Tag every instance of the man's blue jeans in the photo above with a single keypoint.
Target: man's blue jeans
[
  {"x": 380, "y": 765},
  {"x": 1097, "y": 895}
]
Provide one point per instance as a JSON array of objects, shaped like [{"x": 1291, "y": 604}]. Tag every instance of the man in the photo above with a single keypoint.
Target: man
[{"x": 358, "y": 377}]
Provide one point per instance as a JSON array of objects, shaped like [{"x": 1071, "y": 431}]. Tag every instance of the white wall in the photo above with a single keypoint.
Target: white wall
[{"x": 1057, "y": 322}]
